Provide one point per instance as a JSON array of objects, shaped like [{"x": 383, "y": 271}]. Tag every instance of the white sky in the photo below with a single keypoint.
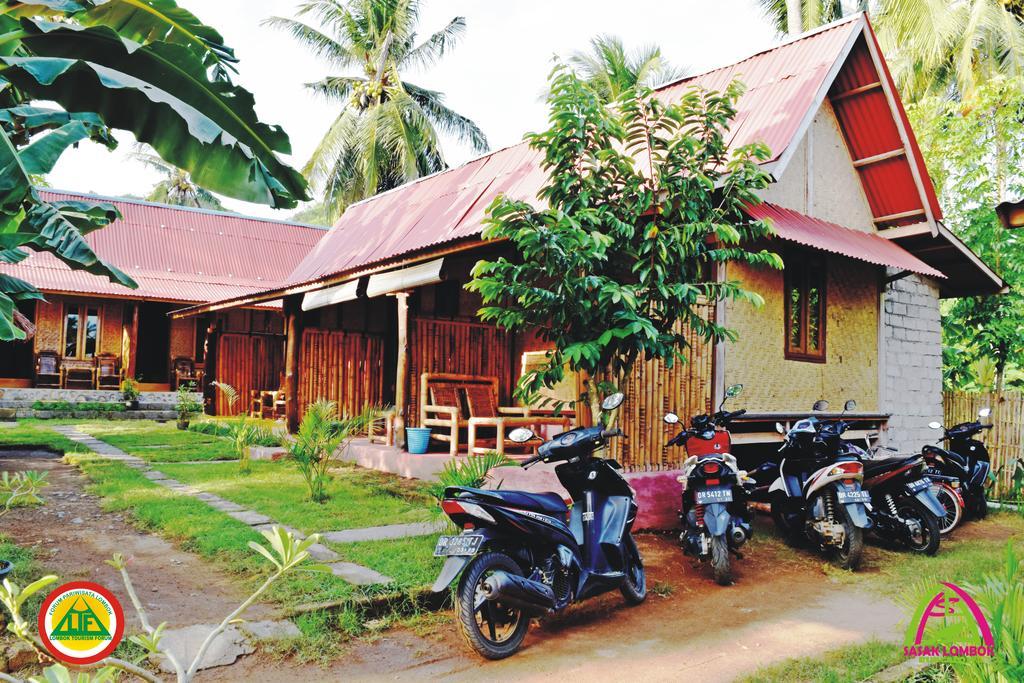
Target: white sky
[{"x": 495, "y": 76}]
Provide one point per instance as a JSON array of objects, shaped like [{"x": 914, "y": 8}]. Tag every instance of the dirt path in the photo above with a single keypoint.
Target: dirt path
[
  {"x": 72, "y": 537},
  {"x": 782, "y": 606}
]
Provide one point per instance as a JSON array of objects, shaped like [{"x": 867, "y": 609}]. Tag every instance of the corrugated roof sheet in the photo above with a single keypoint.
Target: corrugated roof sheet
[
  {"x": 178, "y": 254},
  {"x": 782, "y": 86},
  {"x": 818, "y": 234}
]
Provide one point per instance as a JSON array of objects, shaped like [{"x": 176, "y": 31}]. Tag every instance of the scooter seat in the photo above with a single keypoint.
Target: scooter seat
[
  {"x": 873, "y": 468},
  {"x": 548, "y": 503}
]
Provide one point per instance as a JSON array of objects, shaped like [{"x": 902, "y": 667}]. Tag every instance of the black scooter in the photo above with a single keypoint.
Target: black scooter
[
  {"x": 903, "y": 507},
  {"x": 966, "y": 462},
  {"x": 524, "y": 555},
  {"x": 714, "y": 512}
]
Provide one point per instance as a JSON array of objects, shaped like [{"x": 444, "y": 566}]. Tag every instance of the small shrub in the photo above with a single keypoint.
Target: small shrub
[
  {"x": 130, "y": 389},
  {"x": 187, "y": 404},
  {"x": 321, "y": 434},
  {"x": 68, "y": 407},
  {"x": 473, "y": 472},
  {"x": 21, "y": 488}
]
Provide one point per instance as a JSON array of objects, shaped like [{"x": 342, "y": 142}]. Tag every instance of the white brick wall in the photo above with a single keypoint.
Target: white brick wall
[{"x": 912, "y": 342}]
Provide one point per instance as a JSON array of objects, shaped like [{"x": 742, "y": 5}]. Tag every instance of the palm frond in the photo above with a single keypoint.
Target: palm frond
[
  {"x": 449, "y": 121},
  {"x": 318, "y": 43},
  {"x": 430, "y": 51}
]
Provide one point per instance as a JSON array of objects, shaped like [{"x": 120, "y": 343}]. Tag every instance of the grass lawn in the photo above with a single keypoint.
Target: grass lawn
[
  {"x": 36, "y": 433},
  {"x": 409, "y": 561},
  {"x": 358, "y": 498},
  {"x": 159, "y": 442},
  {"x": 195, "y": 526},
  {"x": 852, "y": 663}
]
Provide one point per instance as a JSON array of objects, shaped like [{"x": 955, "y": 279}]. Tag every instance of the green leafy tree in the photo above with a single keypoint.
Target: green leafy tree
[
  {"x": 145, "y": 66},
  {"x": 974, "y": 155},
  {"x": 642, "y": 200},
  {"x": 795, "y": 16},
  {"x": 611, "y": 70},
  {"x": 387, "y": 131}
]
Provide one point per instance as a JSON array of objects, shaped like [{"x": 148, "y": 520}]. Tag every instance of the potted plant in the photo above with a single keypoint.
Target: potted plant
[
  {"x": 130, "y": 393},
  {"x": 187, "y": 404}
]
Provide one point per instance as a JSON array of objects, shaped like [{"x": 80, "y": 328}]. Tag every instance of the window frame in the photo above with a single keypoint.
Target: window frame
[
  {"x": 806, "y": 259},
  {"x": 82, "y": 311}
]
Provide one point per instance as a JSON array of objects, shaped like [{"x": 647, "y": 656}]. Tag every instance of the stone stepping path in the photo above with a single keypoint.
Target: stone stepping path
[
  {"x": 353, "y": 573},
  {"x": 384, "y": 533}
]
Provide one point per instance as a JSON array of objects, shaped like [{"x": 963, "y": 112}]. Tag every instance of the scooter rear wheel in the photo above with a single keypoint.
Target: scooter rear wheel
[
  {"x": 928, "y": 542},
  {"x": 849, "y": 553},
  {"x": 720, "y": 560},
  {"x": 494, "y": 630},
  {"x": 793, "y": 536},
  {"x": 954, "y": 510}
]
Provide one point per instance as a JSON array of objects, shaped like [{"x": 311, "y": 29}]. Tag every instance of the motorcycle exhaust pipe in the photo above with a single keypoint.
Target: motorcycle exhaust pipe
[
  {"x": 532, "y": 597},
  {"x": 739, "y": 536}
]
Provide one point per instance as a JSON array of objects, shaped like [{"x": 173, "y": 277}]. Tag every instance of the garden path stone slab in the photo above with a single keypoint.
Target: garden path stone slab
[
  {"x": 321, "y": 553},
  {"x": 225, "y": 505},
  {"x": 271, "y": 630},
  {"x": 290, "y": 529},
  {"x": 383, "y": 533},
  {"x": 184, "y": 644},
  {"x": 154, "y": 475},
  {"x": 250, "y": 517},
  {"x": 358, "y": 574}
]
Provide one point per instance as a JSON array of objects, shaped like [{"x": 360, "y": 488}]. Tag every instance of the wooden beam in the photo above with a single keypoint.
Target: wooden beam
[
  {"x": 859, "y": 90},
  {"x": 898, "y": 216},
  {"x": 875, "y": 158},
  {"x": 402, "y": 367},
  {"x": 292, "y": 353},
  {"x": 905, "y": 231}
]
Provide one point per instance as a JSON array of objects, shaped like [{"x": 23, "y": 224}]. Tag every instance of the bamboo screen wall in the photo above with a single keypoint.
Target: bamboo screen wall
[
  {"x": 653, "y": 390},
  {"x": 345, "y": 367},
  {"x": 248, "y": 362},
  {"x": 459, "y": 347},
  {"x": 1006, "y": 438}
]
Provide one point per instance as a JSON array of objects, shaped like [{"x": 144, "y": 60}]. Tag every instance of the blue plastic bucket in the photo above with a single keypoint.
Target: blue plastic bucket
[{"x": 417, "y": 439}]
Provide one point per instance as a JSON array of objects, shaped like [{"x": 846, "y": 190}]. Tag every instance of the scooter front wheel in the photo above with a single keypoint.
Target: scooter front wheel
[
  {"x": 494, "y": 630},
  {"x": 634, "y": 587}
]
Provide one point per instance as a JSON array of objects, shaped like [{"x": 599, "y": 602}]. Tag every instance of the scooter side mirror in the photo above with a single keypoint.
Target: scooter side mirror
[
  {"x": 850, "y": 406},
  {"x": 734, "y": 390},
  {"x": 521, "y": 434},
  {"x": 820, "y": 406},
  {"x": 934, "y": 425},
  {"x": 613, "y": 401},
  {"x": 670, "y": 419},
  {"x": 984, "y": 412},
  {"x": 779, "y": 428}
]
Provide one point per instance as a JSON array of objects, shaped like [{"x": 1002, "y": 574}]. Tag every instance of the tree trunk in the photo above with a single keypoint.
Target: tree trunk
[{"x": 794, "y": 17}]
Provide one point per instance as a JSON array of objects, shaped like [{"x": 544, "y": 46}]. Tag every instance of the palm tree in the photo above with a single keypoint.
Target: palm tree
[
  {"x": 795, "y": 16},
  {"x": 387, "y": 131},
  {"x": 945, "y": 47},
  {"x": 950, "y": 47},
  {"x": 177, "y": 187},
  {"x": 610, "y": 70}
]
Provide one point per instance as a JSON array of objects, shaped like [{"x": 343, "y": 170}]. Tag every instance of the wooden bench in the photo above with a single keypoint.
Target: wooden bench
[{"x": 451, "y": 402}]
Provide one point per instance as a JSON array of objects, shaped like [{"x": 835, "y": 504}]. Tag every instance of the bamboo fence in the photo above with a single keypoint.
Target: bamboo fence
[
  {"x": 1004, "y": 440},
  {"x": 344, "y": 367}
]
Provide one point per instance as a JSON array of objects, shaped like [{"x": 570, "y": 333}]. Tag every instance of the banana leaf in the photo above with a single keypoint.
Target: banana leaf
[
  {"x": 17, "y": 289},
  {"x": 162, "y": 94},
  {"x": 25, "y": 120},
  {"x": 41, "y": 156},
  {"x": 8, "y": 330}
]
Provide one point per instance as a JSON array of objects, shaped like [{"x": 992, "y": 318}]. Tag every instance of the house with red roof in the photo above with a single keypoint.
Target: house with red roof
[{"x": 179, "y": 256}]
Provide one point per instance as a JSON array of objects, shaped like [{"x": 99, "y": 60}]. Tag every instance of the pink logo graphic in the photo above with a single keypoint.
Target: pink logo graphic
[{"x": 950, "y": 637}]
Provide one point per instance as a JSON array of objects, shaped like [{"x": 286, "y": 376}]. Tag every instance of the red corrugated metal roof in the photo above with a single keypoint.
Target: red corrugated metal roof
[
  {"x": 178, "y": 254},
  {"x": 818, "y": 234},
  {"x": 783, "y": 87}
]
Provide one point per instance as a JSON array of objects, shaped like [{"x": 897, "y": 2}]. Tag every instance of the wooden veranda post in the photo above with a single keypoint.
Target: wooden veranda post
[
  {"x": 293, "y": 349},
  {"x": 402, "y": 367}
]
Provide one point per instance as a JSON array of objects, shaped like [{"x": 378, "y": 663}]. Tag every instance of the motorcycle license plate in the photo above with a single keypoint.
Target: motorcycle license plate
[
  {"x": 714, "y": 494},
  {"x": 458, "y": 545},
  {"x": 918, "y": 486},
  {"x": 848, "y": 496}
]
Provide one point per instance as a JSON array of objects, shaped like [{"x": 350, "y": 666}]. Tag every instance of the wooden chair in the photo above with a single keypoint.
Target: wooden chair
[
  {"x": 108, "y": 372},
  {"x": 185, "y": 371},
  {"x": 48, "y": 373},
  {"x": 484, "y": 411},
  {"x": 267, "y": 405},
  {"x": 78, "y": 373},
  {"x": 445, "y": 415}
]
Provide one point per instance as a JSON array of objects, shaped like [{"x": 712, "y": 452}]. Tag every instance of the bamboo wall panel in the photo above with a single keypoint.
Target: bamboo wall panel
[
  {"x": 1005, "y": 440},
  {"x": 345, "y": 367},
  {"x": 459, "y": 347},
  {"x": 653, "y": 390},
  {"x": 248, "y": 362}
]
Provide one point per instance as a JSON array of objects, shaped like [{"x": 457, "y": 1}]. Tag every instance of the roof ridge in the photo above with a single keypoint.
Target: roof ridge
[
  {"x": 856, "y": 16},
  {"x": 189, "y": 209}
]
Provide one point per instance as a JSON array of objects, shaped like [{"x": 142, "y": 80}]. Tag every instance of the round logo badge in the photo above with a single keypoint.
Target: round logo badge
[{"x": 81, "y": 622}]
